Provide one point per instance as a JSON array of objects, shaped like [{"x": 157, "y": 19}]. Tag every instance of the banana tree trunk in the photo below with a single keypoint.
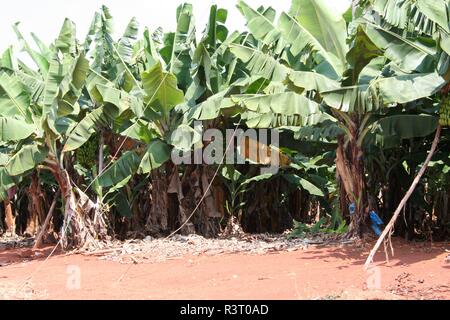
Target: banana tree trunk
[
  {"x": 10, "y": 219},
  {"x": 202, "y": 201},
  {"x": 185, "y": 203},
  {"x": 77, "y": 229},
  {"x": 72, "y": 234},
  {"x": 36, "y": 202},
  {"x": 157, "y": 221},
  {"x": 350, "y": 170}
]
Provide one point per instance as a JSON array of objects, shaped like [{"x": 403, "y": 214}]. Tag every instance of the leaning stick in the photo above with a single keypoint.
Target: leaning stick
[
  {"x": 391, "y": 223},
  {"x": 38, "y": 242}
]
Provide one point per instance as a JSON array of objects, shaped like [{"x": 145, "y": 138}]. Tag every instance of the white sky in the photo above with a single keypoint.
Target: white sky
[{"x": 45, "y": 17}]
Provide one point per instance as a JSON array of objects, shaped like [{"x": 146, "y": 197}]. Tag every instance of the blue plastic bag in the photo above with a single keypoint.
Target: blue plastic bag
[
  {"x": 375, "y": 218},
  {"x": 376, "y": 222},
  {"x": 352, "y": 208}
]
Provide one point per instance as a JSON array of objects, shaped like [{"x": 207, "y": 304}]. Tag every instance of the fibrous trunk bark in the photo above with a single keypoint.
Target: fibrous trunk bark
[
  {"x": 157, "y": 221},
  {"x": 202, "y": 201},
  {"x": 81, "y": 222},
  {"x": 187, "y": 204},
  {"x": 350, "y": 169},
  {"x": 10, "y": 219},
  {"x": 36, "y": 206}
]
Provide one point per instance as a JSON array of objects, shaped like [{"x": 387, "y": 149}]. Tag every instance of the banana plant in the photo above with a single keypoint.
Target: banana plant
[
  {"x": 351, "y": 83},
  {"x": 45, "y": 106}
]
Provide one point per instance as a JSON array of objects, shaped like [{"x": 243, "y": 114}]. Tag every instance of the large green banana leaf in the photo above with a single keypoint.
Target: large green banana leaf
[
  {"x": 66, "y": 41},
  {"x": 14, "y": 98},
  {"x": 407, "y": 88},
  {"x": 406, "y": 126},
  {"x": 85, "y": 129},
  {"x": 161, "y": 89},
  {"x": 304, "y": 184},
  {"x": 120, "y": 99},
  {"x": 99, "y": 43},
  {"x": 8, "y": 60},
  {"x": 313, "y": 81},
  {"x": 122, "y": 168},
  {"x": 177, "y": 46},
  {"x": 6, "y": 182},
  {"x": 40, "y": 60},
  {"x": 27, "y": 158},
  {"x": 426, "y": 15},
  {"x": 151, "y": 54},
  {"x": 382, "y": 92},
  {"x": 260, "y": 24},
  {"x": 259, "y": 63},
  {"x": 409, "y": 55},
  {"x": 13, "y": 129},
  {"x": 71, "y": 86},
  {"x": 141, "y": 131},
  {"x": 157, "y": 153},
  {"x": 275, "y": 110},
  {"x": 125, "y": 45},
  {"x": 312, "y": 23},
  {"x": 216, "y": 31}
]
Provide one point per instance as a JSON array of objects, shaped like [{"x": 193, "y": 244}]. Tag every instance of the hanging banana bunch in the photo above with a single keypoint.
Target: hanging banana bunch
[
  {"x": 444, "y": 111},
  {"x": 87, "y": 153}
]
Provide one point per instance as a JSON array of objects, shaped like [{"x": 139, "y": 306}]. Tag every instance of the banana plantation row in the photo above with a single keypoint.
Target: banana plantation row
[{"x": 86, "y": 128}]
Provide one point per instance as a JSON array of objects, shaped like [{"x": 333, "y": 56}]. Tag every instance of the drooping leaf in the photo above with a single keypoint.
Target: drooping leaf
[
  {"x": 313, "y": 81},
  {"x": 14, "y": 99},
  {"x": 436, "y": 11},
  {"x": 27, "y": 158},
  {"x": 120, "y": 169},
  {"x": 139, "y": 131},
  {"x": 157, "y": 153},
  {"x": 304, "y": 184},
  {"x": 6, "y": 182},
  {"x": 312, "y": 23},
  {"x": 275, "y": 110},
  {"x": 406, "y": 126},
  {"x": 406, "y": 88},
  {"x": 409, "y": 55},
  {"x": 120, "y": 99},
  {"x": 259, "y": 63},
  {"x": 422, "y": 15},
  {"x": 12, "y": 129},
  {"x": 85, "y": 129},
  {"x": 184, "y": 137}
]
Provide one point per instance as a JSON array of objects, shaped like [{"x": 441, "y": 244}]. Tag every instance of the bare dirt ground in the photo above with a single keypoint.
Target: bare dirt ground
[{"x": 197, "y": 268}]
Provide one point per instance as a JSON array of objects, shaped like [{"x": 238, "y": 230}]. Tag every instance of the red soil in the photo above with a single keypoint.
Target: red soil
[{"x": 418, "y": 271}]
